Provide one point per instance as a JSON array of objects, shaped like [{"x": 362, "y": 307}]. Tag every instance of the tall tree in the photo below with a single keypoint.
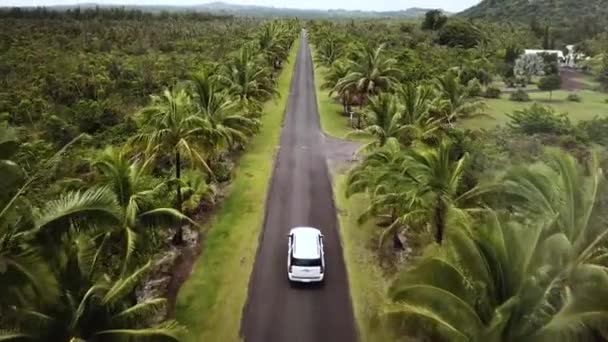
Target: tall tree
[
  {"x": 131, "y": 185},
  {"x": 170, "y": 124},
  {"x": 92, "y": 305},
  {"x": 248, "y": 78},
  {"x": 336, "y": 72},
  {"x": 542, "y": 281},
  {"x": 434, "y": 20},
  {"x": 455, "y": 102},
  {"x": 370, "y": 71},
  {"x": 226, "y": 127},
  {"x": 384, "y": 122}
]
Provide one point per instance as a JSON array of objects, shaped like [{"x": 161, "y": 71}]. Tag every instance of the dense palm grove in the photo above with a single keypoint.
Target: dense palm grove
[
  {"x": 117, "y": 128},
  {"x": 508, "y": 226}
]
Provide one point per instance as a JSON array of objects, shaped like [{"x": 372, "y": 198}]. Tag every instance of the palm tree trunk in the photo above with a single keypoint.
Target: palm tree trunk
[
  {"x": 178, "y": 239},
  {"x": 439, "y": 220}
]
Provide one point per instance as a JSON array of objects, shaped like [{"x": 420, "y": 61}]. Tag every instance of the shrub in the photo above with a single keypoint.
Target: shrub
[
  {"x": 573, "y": 98},
  {"x": 459, "y": 33},
  {"x": 519, "y": 96},
  {"x": 550, "y": 83},
  {"x": 540, "y": 119},
  {"x": 595, "y": 130},
  {"x": 492, "y": 92},
  {"x": 474, "y": 88}
]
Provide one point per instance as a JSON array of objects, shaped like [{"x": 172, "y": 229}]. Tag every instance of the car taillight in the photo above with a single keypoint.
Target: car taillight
[
  {"x": 290, "y": 267},
  {"x": 321, "y": 268}
]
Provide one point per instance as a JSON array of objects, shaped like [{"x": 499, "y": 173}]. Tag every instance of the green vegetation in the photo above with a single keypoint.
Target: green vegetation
[
  {"x": 333, "y": 120},
  {"x": 495, "y": 234},
  {"x": 368, "y": 283},
  {"x": 210, "y": 303},
  {"x": 591, "y": 104},
  {"x": 569, "y": 20},
  {"x": 95, "y": 177},
  {"x": 120, "y": 130}
]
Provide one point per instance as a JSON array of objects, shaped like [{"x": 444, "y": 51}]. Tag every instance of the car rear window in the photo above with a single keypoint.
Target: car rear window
[{"x": 305, "y": 262}]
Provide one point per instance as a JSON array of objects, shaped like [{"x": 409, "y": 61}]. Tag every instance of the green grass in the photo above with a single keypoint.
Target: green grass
[
  {"x": 368, "y": 284},
  {"x": 333, "y": 122},
  {"x": 211, "y": 301},
  {"x": 592, "y": 104}
]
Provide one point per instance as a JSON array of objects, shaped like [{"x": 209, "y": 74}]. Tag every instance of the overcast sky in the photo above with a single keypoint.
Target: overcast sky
[{"x": 377, "y": 5}]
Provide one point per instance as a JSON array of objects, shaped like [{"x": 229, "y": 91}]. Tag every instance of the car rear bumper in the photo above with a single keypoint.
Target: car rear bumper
[{"x": 305, "y": 279}]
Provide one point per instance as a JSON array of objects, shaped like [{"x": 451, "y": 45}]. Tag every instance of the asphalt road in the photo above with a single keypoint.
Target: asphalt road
[{"x": 300, "y": 195}]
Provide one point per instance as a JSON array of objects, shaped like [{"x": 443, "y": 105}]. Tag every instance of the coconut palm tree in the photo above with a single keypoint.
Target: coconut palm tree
[
  {"x": 335, "y": 73},
  {"x": 378, "y": 176},
  {"x": 131, "y": 185},
  {"x": 172, "y": 125},
  {"x": 370, "y": 71},
  {"x": 249, "y": 79},
  {"x": 196, "y": 191},
  {"x": 505, "y": 282},
  {"x": 560, "y": 192},
  {"x": 91, "y": 305},
  {"x": 329, "y": 50},
  {"x": 274, "y": 41},
  {"x": 384, "y": 120},
  {"x": 454, "y": 100},
  {"x": 25, "y": 276},
  {"x": 419, "y": 187},
  {"x": 225, "y": 126},
  {"x": 541, "y": 280},
  {"x": 416, "y": 103},
  {"x": 12, "y": 176}
]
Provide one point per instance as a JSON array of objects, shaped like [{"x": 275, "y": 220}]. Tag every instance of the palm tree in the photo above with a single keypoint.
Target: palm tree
[
  {"x": 454, "y": 101},
  {"x": 26, "y": 277},
  {"x": 171, "y": 123},
  {"x": 329, "y": 51},
  {"x": 196, "y": 191},
  {"x": 384, "y": 122},
  {"x": 336, "y": 72},
  {"x": 419, "y": 187},
  {"x": 416, "y": 103},
  {"x": 505, "y": 282},
  {"x": 274, "y": 40},
  {"x": 370, "y": 72},
  {"x": 92, "y": 305},
  {"x": 541, "y": 281},
  {"x": 378, "y": 176},
  {"x": 128, "y": 179},
  {"x": 247, "y": 78},
  {"x": 225, "y": 126},
  {"x": 12, "y": 176},
  {"x": 560, "y": 193}
]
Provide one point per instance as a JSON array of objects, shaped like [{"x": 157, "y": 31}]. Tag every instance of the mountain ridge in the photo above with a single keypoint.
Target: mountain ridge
[
  {"x": 549, "y": 11},
  {"x": 218, "y": 7}
]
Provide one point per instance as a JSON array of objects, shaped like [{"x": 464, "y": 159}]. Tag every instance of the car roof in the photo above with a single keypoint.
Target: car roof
[{"x": 306, "y": 243}]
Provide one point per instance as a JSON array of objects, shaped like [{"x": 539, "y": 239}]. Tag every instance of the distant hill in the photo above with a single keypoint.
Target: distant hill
[
  {"x": 258, "y": 11},
  {"x": 554, "y": 12}
]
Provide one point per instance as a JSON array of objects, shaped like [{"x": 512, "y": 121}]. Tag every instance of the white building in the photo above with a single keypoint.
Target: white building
[{"x": 560, "y": 55}]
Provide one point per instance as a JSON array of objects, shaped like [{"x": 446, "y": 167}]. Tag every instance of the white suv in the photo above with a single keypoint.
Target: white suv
[{"x": 306, "y": 258}]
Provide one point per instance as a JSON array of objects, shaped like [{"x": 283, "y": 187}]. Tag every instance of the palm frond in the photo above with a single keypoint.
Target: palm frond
[{"x": 169, "y": 331}]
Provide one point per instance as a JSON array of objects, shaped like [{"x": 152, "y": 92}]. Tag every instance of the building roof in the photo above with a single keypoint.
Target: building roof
[{"x": 559, "y": 53}]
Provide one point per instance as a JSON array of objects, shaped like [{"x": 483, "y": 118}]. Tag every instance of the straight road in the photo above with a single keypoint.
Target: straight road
[{"x": 300, "y": 195}]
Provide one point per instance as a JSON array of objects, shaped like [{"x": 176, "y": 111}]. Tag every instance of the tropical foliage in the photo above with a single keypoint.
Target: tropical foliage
[
  {"x": 82, "y": 216},
  {"x": 503, "y": 231}
]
